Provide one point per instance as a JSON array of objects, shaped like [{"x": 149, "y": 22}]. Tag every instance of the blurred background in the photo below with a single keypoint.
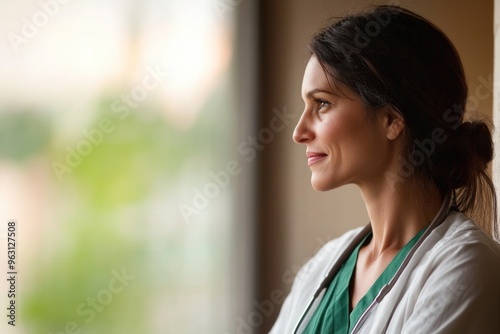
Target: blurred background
[
  {"x": 146, "y": 155},
  {"x": 113, "y": 115}
]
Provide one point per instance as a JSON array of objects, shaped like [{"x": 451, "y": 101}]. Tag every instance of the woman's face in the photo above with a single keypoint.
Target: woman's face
[{"x": 343, "y": 145}]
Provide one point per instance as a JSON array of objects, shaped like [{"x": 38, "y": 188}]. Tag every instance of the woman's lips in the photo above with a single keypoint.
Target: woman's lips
[{"x": 313, "y": 157}]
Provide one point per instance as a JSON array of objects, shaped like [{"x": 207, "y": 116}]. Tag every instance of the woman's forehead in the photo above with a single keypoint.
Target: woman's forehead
[{"x": 317, "y": 78}]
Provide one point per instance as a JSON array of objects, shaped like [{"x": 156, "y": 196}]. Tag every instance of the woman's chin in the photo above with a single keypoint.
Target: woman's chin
[{"x": 322, "y": 185}]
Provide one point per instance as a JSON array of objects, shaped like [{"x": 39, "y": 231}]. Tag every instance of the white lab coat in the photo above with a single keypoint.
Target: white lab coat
[{"x": 449, "y": 283}]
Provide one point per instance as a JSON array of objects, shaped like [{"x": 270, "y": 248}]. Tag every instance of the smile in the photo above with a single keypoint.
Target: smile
[{"x": 313, "y": 158}]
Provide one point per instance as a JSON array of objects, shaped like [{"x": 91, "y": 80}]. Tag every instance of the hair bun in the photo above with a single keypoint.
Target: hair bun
[
  {"x": 475, "y": 138},
  {"x": 466, "y": 153}
]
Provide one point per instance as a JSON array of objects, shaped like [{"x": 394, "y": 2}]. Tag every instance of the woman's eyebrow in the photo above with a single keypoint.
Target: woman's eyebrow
[{"x": 310, "y": 93}]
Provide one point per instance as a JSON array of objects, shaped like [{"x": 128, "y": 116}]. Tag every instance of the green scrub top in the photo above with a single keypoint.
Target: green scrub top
[{"x": 332, "y": 314}]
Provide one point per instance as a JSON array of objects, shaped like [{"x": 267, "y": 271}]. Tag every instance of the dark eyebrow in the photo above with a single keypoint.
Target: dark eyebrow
[{"x": 317, "y": 90}]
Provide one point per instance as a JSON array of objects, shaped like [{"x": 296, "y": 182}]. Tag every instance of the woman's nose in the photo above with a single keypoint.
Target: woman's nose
[{"x": 302, "y": 133}]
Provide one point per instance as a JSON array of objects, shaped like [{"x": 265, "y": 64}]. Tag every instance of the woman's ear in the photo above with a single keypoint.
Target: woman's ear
[{"x": 393, "y": 123}]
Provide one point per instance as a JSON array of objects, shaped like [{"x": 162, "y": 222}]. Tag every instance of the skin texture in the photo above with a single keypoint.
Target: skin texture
[
  {"x": 344, "y": 146},
  {"x": 336, "y": 124}
]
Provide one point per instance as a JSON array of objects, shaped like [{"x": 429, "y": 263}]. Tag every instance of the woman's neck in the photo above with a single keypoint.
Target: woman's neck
[{"x": 397, "y": 212}]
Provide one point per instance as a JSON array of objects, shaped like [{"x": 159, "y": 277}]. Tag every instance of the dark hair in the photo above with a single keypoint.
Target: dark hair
[{"x": 392, "y": 57}]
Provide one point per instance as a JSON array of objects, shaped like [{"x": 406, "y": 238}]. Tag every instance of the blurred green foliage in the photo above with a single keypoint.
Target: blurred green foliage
[
  {"x": 96, "y": 236},
  {"x": 23, "y": 133}
]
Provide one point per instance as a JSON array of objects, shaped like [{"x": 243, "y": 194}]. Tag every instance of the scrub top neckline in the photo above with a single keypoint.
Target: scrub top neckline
[
  {"x": 333, "y": 313},
  {"x": 382, "y": 280}
]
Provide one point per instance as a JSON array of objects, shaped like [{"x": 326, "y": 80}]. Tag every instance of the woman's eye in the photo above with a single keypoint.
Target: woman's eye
[{"x": 322, "y": 103}]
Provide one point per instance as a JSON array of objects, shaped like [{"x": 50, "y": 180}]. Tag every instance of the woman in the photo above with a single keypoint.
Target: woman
[{"x": 384, "y": 96}]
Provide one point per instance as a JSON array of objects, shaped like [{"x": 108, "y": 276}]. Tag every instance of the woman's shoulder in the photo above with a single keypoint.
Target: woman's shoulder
[
  {"x": 459, "y": 231},
  {"x": 450, "y": 285},
  {"x": 459, "y": 245}
]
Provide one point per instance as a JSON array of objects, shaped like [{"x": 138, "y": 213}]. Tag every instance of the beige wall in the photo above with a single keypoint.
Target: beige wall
[
  {"x": 295, "y": 220},
  {"x": 496, "y": 102}
]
